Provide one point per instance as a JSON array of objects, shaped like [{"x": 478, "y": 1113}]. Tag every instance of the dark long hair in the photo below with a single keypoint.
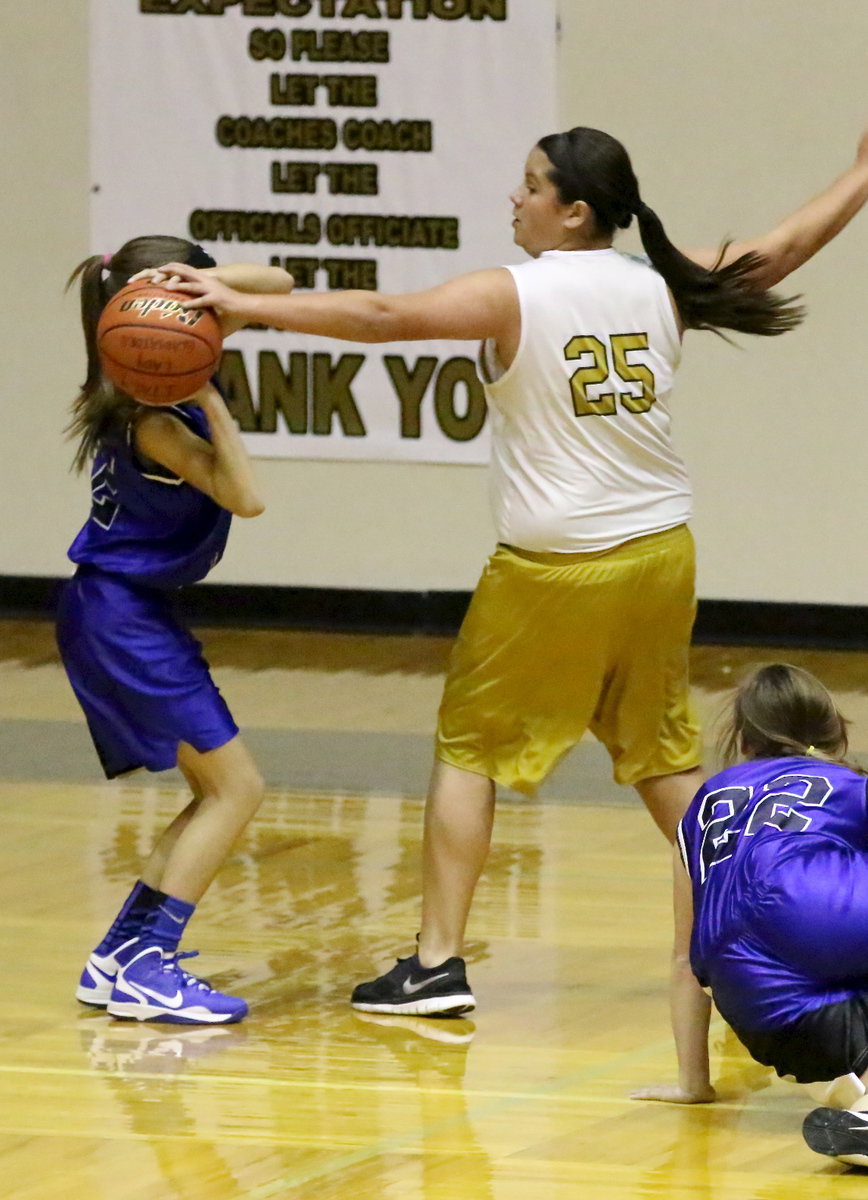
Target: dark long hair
[
  {"x": 593, "y": 166},
  {"x": 780, "y": 711},
  {"x": 100, "y": 408}
]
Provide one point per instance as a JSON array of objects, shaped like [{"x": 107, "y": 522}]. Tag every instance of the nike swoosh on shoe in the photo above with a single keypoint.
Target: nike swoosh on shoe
[
  {"x": 176, "y": 1001},
  {"x": 410, "y": 989}
]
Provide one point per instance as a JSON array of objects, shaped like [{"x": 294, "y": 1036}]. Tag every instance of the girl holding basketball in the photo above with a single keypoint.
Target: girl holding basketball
[
  {"x": 771, "y": 907},
  {"x": 165, "y": 485}
]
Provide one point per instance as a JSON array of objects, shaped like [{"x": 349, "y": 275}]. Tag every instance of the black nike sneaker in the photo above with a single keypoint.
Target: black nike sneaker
[
  {"x": 838, "y": 1132},
  {"x": 418, "y": 991}
]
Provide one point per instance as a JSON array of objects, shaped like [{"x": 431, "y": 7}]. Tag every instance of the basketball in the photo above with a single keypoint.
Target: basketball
[{"x": 153, "y": 349}]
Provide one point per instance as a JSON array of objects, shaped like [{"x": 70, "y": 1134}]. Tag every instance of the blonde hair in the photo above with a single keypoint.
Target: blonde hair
[{"x": 780, "y": 711}]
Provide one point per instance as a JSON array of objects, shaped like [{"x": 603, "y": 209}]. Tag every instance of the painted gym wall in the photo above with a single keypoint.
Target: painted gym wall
[{"x": 734, "y": 111}]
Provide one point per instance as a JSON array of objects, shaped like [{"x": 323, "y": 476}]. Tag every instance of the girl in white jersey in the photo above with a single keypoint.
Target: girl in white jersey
[{"x": 582, "y": 617}]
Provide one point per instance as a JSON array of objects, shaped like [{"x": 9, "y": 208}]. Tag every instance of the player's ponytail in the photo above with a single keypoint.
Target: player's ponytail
[
  {"x": 592, "y": 166},
  {"x": 781, "y": 711},
  {"x": 100, "y": 409},
  {"x": 98, "y": 404}
]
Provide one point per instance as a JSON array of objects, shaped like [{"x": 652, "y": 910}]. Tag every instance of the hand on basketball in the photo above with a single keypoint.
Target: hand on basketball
[
  {"x": 674, "y": 1093},
  {"x": 155, "y": 275},
  {"x": 202, "y": 287}
]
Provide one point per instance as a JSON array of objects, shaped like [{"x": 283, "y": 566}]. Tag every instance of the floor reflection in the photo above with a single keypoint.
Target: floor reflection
[
  {"x": 121, "y": 1048},
  {"x": 148, "y": 1069}
]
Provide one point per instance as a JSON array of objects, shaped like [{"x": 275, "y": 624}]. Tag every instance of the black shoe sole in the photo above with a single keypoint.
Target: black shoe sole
[{"x": 836, "y": 1133}]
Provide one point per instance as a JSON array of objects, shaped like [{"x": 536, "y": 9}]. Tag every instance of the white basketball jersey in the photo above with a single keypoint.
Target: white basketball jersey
[{"x": 581, "y": 453}]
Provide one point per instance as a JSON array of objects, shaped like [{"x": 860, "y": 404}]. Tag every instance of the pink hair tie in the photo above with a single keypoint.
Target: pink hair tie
[{"x": 106, "y": 259}]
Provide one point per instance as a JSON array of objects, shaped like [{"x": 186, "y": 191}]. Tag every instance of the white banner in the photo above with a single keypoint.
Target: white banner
[{"x": 358, "y": 143}]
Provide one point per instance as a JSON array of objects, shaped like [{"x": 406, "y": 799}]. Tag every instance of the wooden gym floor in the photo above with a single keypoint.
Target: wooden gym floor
[{"x": 568, "y": 949}]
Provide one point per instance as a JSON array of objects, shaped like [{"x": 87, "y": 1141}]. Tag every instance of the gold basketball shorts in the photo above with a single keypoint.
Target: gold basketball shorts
[{"x": 555, "y": 644}]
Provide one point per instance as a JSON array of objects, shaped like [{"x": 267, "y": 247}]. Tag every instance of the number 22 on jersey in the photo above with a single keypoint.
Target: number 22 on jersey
[{"x": 731, "y": 813}]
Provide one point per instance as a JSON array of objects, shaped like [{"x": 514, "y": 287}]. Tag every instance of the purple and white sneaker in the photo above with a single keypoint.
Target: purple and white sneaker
[
  {"x": 152, "y": 987},
  {"x": 99, "y": 975}
]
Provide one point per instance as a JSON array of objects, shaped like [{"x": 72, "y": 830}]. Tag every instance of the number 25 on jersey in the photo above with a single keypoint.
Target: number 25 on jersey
[{"x": 595, "y": 369}]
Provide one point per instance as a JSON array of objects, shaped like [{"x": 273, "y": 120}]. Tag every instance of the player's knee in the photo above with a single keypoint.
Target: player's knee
[
  {"x": 257, "y": 789},
  {"x": 251, "y": 789}
]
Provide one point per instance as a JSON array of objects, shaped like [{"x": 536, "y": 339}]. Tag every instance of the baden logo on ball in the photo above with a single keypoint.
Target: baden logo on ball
[{"x": 154, "y": 349}]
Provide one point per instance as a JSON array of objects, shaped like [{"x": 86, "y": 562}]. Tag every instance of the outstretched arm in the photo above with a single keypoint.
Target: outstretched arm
[
  {"x": 483, "y": 304},
  {"x": 799, "y": 236},
  {"x": 690, "y": 1010}
]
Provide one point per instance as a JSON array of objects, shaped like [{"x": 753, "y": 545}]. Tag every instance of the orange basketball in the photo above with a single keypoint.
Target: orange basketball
[{"x": 153, "y": 349}]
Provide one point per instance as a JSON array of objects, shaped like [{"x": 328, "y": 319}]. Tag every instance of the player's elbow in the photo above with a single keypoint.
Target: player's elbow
[
  {"x": 778, "y": 255},
  {"x": 771, "y": 272},
  {"x": 249, "y": 506},
  {"x": 386, "y": 320},
  {"x": 243, "y": 502}
]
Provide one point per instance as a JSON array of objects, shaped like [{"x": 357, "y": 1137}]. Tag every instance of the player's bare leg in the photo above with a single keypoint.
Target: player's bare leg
[
  {"x": 151, "y": 985},
  {"x": 433, "y": 982},
  {"x": 228, "y": 790},
  {"x": 152, "y": 872},
  {"x": 459, "y": 816}
]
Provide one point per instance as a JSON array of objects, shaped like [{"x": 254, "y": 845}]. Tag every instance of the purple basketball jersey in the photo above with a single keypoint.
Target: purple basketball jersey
[
  {"x": 138, "y": 673},
  {"x": 777, "y": 853},
  {"x": 145, "y": 523}
]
